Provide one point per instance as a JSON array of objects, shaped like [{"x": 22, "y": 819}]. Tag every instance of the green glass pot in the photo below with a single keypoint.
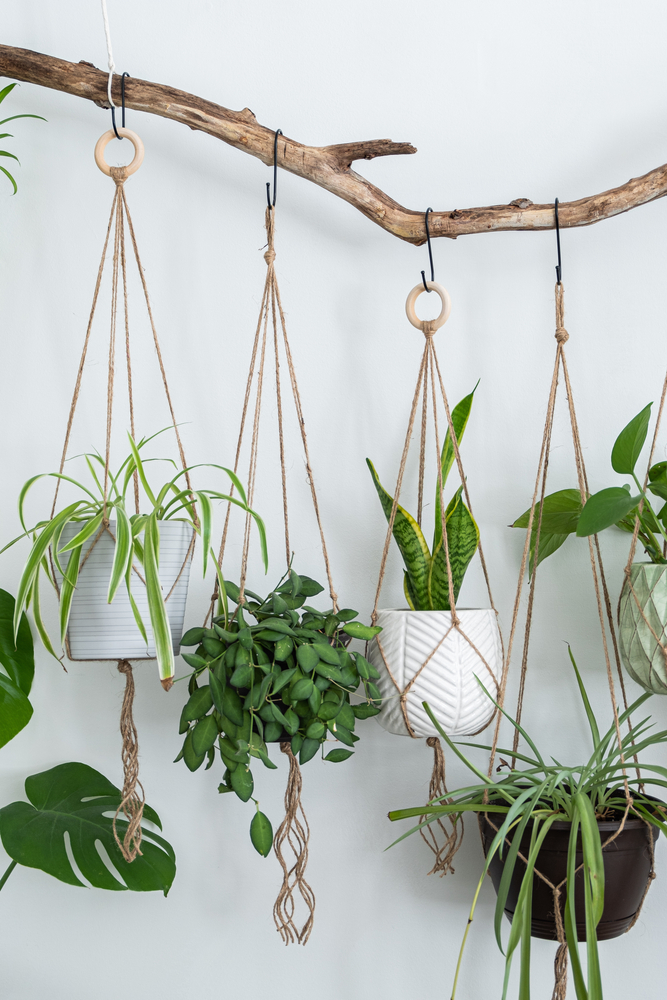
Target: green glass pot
[{"x": 642, "y": 619}]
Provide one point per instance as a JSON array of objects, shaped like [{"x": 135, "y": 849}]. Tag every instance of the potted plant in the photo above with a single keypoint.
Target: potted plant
[
  {"x": 420, "y": 654},
  {"x": 113, "y": 570},
  {"x": 287, "y": 677},
  {"x": 643, "y": 603},
  {"x": 571, "y": 823}
]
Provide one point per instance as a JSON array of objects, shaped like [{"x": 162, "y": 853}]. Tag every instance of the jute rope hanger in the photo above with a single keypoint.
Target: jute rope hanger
[
  {"x": 606, "y": 619},
  {"x": 270, "y": 337},
  {"x": 430, "y": 376},
  {"x": 133, "y": 799}
]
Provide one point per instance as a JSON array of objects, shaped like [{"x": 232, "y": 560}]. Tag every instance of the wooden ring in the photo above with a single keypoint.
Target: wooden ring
[
  {"x": 124, "y": 133},
  {"x": 433, "y": 324}
]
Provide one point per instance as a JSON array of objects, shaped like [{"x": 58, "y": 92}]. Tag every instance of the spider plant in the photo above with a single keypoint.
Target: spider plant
[
  {"x": 137, "y": 537},
  {"x": 425, "y": 579},
  {"x": 6, "y": 135},
  {"x": 529, "y": 800}
]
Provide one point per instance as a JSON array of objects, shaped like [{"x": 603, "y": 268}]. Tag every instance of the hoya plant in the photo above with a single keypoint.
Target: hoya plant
[
  {"x": 532, "y": 793},
  {"x": 425, "y": 579},
  {"x": 104, "y": 506},
  {"x": 562, "y": 513},
  {"x": 274, "y": 669}
]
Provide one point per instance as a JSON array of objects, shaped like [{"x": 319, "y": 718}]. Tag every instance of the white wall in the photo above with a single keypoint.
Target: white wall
[{"x": 503, "y": 101}]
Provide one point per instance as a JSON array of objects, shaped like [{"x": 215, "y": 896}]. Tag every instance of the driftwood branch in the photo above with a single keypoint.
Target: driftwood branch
[{"x": 328, "y": 166}]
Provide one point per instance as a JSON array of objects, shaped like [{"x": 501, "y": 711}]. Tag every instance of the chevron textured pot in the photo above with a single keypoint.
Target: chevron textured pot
[
  {"x": 422, "y": 647},
  {"x": 642, "y": 655},
  {"x": 101, "y": 631}
]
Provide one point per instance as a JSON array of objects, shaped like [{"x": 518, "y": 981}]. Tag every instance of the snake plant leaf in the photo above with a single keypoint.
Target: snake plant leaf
[
  {"x": 156, "y": 606},
  {"x": 629, "y": 443},
  {"x": 16, "y": 656},
  {"x": 463, "y": 540},
  {"x": 75, "y": 801},
  {"x": 460, "y": 415},
  {"x": 412, "y": 545},
  {"x": 604, "y": 509},
  {"x": 15, "y": 709},
  {"x": 410, "y": 595}
]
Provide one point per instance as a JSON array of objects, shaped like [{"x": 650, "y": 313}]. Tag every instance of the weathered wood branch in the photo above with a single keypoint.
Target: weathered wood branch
[{"x": 328, "y": 166}]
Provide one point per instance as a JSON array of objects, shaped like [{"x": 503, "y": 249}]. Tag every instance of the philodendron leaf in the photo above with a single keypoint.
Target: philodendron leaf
[
  {"x": 412, "y": 545},
  {"x": 629, "y": 443},
  {"x": 604, "y": 509},
  {"x": 16, "y": 657},
  {"x": 559, "y": 519},
  {"x": 77, "y": 801},
  {"x": 15, "y": 709},
  {"x": 463, "y": 539},
  {"x": 460, "y": 415}
]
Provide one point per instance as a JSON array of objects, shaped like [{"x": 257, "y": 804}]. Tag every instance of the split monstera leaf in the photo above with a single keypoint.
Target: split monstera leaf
[
  {"x": 17, "y": 669},
  {"x": 425, "y": 581},
  {"x": 563, "y": 514}
]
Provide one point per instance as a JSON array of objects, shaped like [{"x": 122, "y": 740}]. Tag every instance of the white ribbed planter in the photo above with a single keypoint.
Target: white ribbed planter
[
  {"x": 101, "y": 631},
  {"x": 447, "y": 682}
]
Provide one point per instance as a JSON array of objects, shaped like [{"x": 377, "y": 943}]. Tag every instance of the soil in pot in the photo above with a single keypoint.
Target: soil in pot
[{"x": 627, "y": 865}]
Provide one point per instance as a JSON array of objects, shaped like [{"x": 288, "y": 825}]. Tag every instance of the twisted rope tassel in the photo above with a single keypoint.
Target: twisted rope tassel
[
  {"x": 560, "y": 973},
  {"x": 131, "y": 805},
  {"x": 444, "y": 853},
  {"x": 297, "y": 835}
]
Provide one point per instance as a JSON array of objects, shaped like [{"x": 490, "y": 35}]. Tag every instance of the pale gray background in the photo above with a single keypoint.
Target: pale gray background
[{"x": 503, "y": 101}]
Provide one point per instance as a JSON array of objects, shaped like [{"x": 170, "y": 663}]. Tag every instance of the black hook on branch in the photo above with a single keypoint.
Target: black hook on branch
[
  {"x": 559, "y": 269},
  {"x": 275, "y": 172},
  {"x": 430, "y": 253},
  {"x": 113, "y": 109}
]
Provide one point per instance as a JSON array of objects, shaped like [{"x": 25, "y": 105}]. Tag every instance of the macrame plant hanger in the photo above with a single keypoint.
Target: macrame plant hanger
[
  {"x": 429, "y": 387},
  {"x": 270, "y": 333},
  {"x": 605, "y": 615},
  {"x": 133, "y": 798}
]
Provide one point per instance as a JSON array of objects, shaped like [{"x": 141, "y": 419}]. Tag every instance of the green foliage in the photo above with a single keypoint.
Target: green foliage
[
  {"x": 564, "y": 515},
  {"x": 426, "y": 581},
  {"x": 137, "y": 540},
  {"x": 75, "y": 800},
  {"x": 6, "y": 135},
  {"x": 286, "y": 678},
  {"x": 531, "y": 799},
  {"x": 18, "y": 667}
]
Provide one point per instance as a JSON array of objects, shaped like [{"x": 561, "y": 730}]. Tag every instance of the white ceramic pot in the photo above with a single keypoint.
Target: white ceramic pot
[
  {"x": 101, "y": 631},
  {"x": 404, "y": 651}
]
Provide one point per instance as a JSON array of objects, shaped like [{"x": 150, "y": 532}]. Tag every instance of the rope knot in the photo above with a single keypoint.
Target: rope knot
[
  {"x": 432, "y": 742},
  {"x": 119, "y": 175},
  {"x": 270, "y": 256},
  {"x": 561, "y": 335},
  {"x": 428, "y": 328}
]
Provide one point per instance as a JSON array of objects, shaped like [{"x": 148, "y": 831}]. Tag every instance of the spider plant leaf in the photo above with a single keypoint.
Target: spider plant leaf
[
  {"x": 460, "y": 415},
  {"x": 3, "y": 152},
  {"x": 140, "y": 470},
  {"x": 222, "y": 589},
  {"x": 133, "y": 604},
  {"x": 412, "y": 544},
  {"x": 123, "y": 552},
  {"x": 206, "y": 518},
  {"x": 12, "y": 118},
  {"x": 516, "y": 725},
  {"x": 75, "y": 799},
  {"x": 593, "y": 862},
  {"x": 34, "y": 602},
  {"x": 259, "y": 524},
  {"x": 463, "y": 541},
  {"x": 90, "y": 528},
  {"x": 461, "y": 756},
  {"x": 508, "y": 871},
  {"x": 569, "y": 921},
  {"x": 629, "y": 443},
  {"x": 156, "y": 606},
  {"x": 7, "y": 90},
  {"x": 223, "y": 468},
  {"x": 67, "y": 589},
  {"x": 592, "y": 722},
  {"x": 11, "y": 179},
  {"x": 39, "y": 548}
]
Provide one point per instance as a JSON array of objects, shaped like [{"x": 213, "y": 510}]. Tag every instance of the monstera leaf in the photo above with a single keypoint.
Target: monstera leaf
[
  {"x": 77, "y": 802},
  {"x": 18, "y": 668}
]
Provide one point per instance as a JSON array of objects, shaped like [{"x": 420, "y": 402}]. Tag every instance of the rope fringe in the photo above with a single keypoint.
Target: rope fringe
[
  {"x": 444, "y": 853},
  {"x": 132, "y": 805},
  {"x": 296, "y": 832}
]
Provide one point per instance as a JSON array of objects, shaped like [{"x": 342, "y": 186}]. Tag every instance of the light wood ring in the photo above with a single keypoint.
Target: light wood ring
[
  {"x": 433, "y": 324},
  {"x": 124, "y": 133}
]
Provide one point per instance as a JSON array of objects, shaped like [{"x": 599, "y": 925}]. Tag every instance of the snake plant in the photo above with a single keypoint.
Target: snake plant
[
  {"x": 562, "y": 514},
  {"x": 137, "y": 539},
  {"x": 6, "y": 135},
  {"x": 528, "y": 801},
  {"x": 425, "y": 579}
]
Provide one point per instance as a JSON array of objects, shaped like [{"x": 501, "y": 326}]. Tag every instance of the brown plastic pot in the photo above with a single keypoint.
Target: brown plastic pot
[{"x": 627, "y": 866}]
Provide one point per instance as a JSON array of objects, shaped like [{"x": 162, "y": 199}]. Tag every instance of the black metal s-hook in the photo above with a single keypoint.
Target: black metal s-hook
[
  {"x": 275, "y": 172},
  {"x": 113, "y": 110},
  {"x": 430, "y": 253},
  {"x": 559, "y": 269}
]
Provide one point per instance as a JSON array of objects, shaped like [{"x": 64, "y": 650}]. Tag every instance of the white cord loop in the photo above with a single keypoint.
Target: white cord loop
[{"x": 111, "y": 63}]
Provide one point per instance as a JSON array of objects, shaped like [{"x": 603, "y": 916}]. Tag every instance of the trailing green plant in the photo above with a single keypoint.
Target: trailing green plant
[
  {"x": 529, "y": 799},
  {"x": 17, "y": 669},
  {"x": 6, "y": 135},
  {"x": 288, "y": 677},
  {"x": 77, "y": 800},
  {"x": 425, "y": 579},
  {"x": 137, "y": 538},
  {"x": 562, "y": 513}
]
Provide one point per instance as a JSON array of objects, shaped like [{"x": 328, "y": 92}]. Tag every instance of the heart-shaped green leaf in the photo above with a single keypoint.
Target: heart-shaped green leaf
[
  {"x": 629, "y": 443},
  {"x": 604, "y": 509}
]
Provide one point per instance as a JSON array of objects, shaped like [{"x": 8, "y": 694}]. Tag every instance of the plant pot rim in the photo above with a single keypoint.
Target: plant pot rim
[
  {"x": 606, "y": 825},
  {"x": 427, "y": 611}
]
